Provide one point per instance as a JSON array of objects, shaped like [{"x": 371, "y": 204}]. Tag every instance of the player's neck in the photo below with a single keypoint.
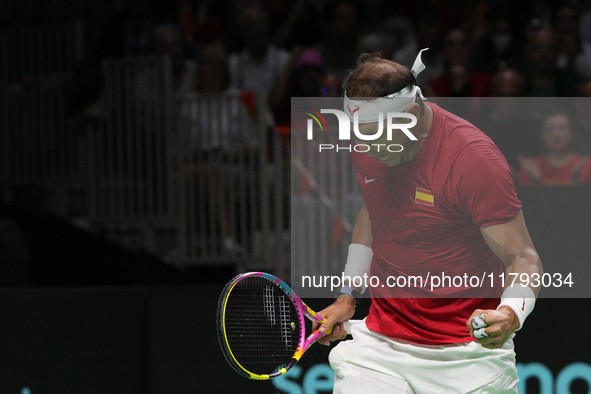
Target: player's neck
[
  {"x": 421, "y": 131},
  {"x": 427, "y": 120}
]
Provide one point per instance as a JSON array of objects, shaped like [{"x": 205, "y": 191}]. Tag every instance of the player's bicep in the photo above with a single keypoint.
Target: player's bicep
[{"x": 484, "y": 185}]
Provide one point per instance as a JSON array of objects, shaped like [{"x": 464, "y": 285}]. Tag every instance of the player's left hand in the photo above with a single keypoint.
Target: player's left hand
[{"x": 497, "y": 327}]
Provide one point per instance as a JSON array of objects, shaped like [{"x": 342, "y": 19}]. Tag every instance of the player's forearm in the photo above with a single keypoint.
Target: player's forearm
[
  {"x": 362, "y": 230},
  {"x": 360, "y": 253},
  {"x": 511, "y": 242},
  {"x": 524, "y": 268},
  {"x": 523, "y": 273}
]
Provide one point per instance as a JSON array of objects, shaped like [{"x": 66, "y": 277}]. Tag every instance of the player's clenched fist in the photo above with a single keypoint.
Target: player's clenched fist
[{"x": 492, "y": 328}]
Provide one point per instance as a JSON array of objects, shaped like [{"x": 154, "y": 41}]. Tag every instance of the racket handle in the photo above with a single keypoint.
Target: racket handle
[{"x": 314, "y": 336}]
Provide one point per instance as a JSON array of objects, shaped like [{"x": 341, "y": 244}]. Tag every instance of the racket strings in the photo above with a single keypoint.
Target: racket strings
[
  {"x": 285, "y": 321},
  {"x": 262, "y": 325}
]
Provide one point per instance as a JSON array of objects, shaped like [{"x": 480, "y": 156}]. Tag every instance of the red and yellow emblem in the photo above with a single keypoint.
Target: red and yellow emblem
[{"x": 425, "y": 197}]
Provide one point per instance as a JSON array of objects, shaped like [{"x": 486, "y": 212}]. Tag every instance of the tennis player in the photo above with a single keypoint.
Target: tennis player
[{"x": 444, "y": 204}]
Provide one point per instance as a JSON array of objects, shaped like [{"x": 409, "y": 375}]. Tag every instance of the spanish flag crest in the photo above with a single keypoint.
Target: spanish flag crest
[{"x": 424, "y": 197}]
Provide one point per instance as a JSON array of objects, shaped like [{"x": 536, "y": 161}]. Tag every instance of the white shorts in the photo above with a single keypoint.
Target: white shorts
[{"x": 373, "y": 363}]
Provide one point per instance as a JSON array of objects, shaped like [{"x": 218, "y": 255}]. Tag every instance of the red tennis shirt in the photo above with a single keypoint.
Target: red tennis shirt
[{"x": 425, "y": 219}]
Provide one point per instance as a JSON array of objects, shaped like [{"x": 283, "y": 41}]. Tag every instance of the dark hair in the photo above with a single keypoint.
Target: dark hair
[
  {"x": 376, "y": 77},
  {"x": 555, "y": 112}
]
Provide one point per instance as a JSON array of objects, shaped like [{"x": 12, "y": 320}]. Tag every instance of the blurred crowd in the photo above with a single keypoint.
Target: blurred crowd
[{"x": 503, "y": 50}]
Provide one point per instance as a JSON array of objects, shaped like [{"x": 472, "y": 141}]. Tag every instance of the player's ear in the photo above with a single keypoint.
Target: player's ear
[{"x": 414, "y": 109}]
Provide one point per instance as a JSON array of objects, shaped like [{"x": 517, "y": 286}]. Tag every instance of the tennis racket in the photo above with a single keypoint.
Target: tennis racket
[{"x": 261, "y": 326}]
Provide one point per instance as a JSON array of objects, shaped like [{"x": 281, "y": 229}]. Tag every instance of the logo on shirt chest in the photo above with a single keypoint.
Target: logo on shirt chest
[{"x": 424, "y": 197}]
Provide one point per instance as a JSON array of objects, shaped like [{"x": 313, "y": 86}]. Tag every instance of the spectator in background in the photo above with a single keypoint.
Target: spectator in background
[
  {"x": 168, "y": 41},
  {"x": 230, "y": 132},
  {"x": 302, "y": 77},
  {"x": 499, "y": 48},
  {"x": 574, "y": 53},
  {"x": 559, "y": 165},
  {"x": 199, "y": 20},
  {"x": 399, "y": 31},
  {"x": 507, "y": 122},
  {"x": 259, "y": 64},
  {"x": 459, "y": 79},
  {"x": 543, "y": 78},
  {"x": 540, "y": 14},
  {"x": 223, "y": 137},
  {"x": 582, "y": 121},
  {"x": 584, "y": 23},
  {"x": 377, "y": 42},
  {"x": 374, "y": 15},
  {"x": 339, "y": 49},
  {"x": 212, "y": 73},
  {"x": 332, "y": 86},
  {"x": 308, "y": 70},
  {"x": 150, "y": 76},
  {"x": 566, "y": 35},
  {"x": 428, "y": 33},
  {"x": 139, "y": 27},
  {"x": 295, "y": 22}
]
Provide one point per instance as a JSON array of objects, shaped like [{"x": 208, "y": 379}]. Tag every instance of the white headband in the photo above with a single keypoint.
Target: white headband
[{"x": 367, "y": 111}]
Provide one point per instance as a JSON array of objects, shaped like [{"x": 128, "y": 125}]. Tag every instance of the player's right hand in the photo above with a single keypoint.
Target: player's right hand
[{"x": 340, "y": 311}]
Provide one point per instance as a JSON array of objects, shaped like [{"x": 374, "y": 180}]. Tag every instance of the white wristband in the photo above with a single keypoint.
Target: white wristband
[
  {"x": 358, "y": 263},
  {"x": 519, "y": 298}
]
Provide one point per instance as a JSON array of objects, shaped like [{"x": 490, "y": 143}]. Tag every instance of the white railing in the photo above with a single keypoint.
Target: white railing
[
  {"x": 134, "y": 169},
  {"x": 201, "y": 180},
  {"x": 235, "y": 184},
  {"x": 196, "y": 180}
]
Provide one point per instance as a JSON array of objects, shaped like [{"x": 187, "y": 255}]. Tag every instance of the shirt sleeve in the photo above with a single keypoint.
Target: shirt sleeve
[{"x": 484, "y": 185}]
